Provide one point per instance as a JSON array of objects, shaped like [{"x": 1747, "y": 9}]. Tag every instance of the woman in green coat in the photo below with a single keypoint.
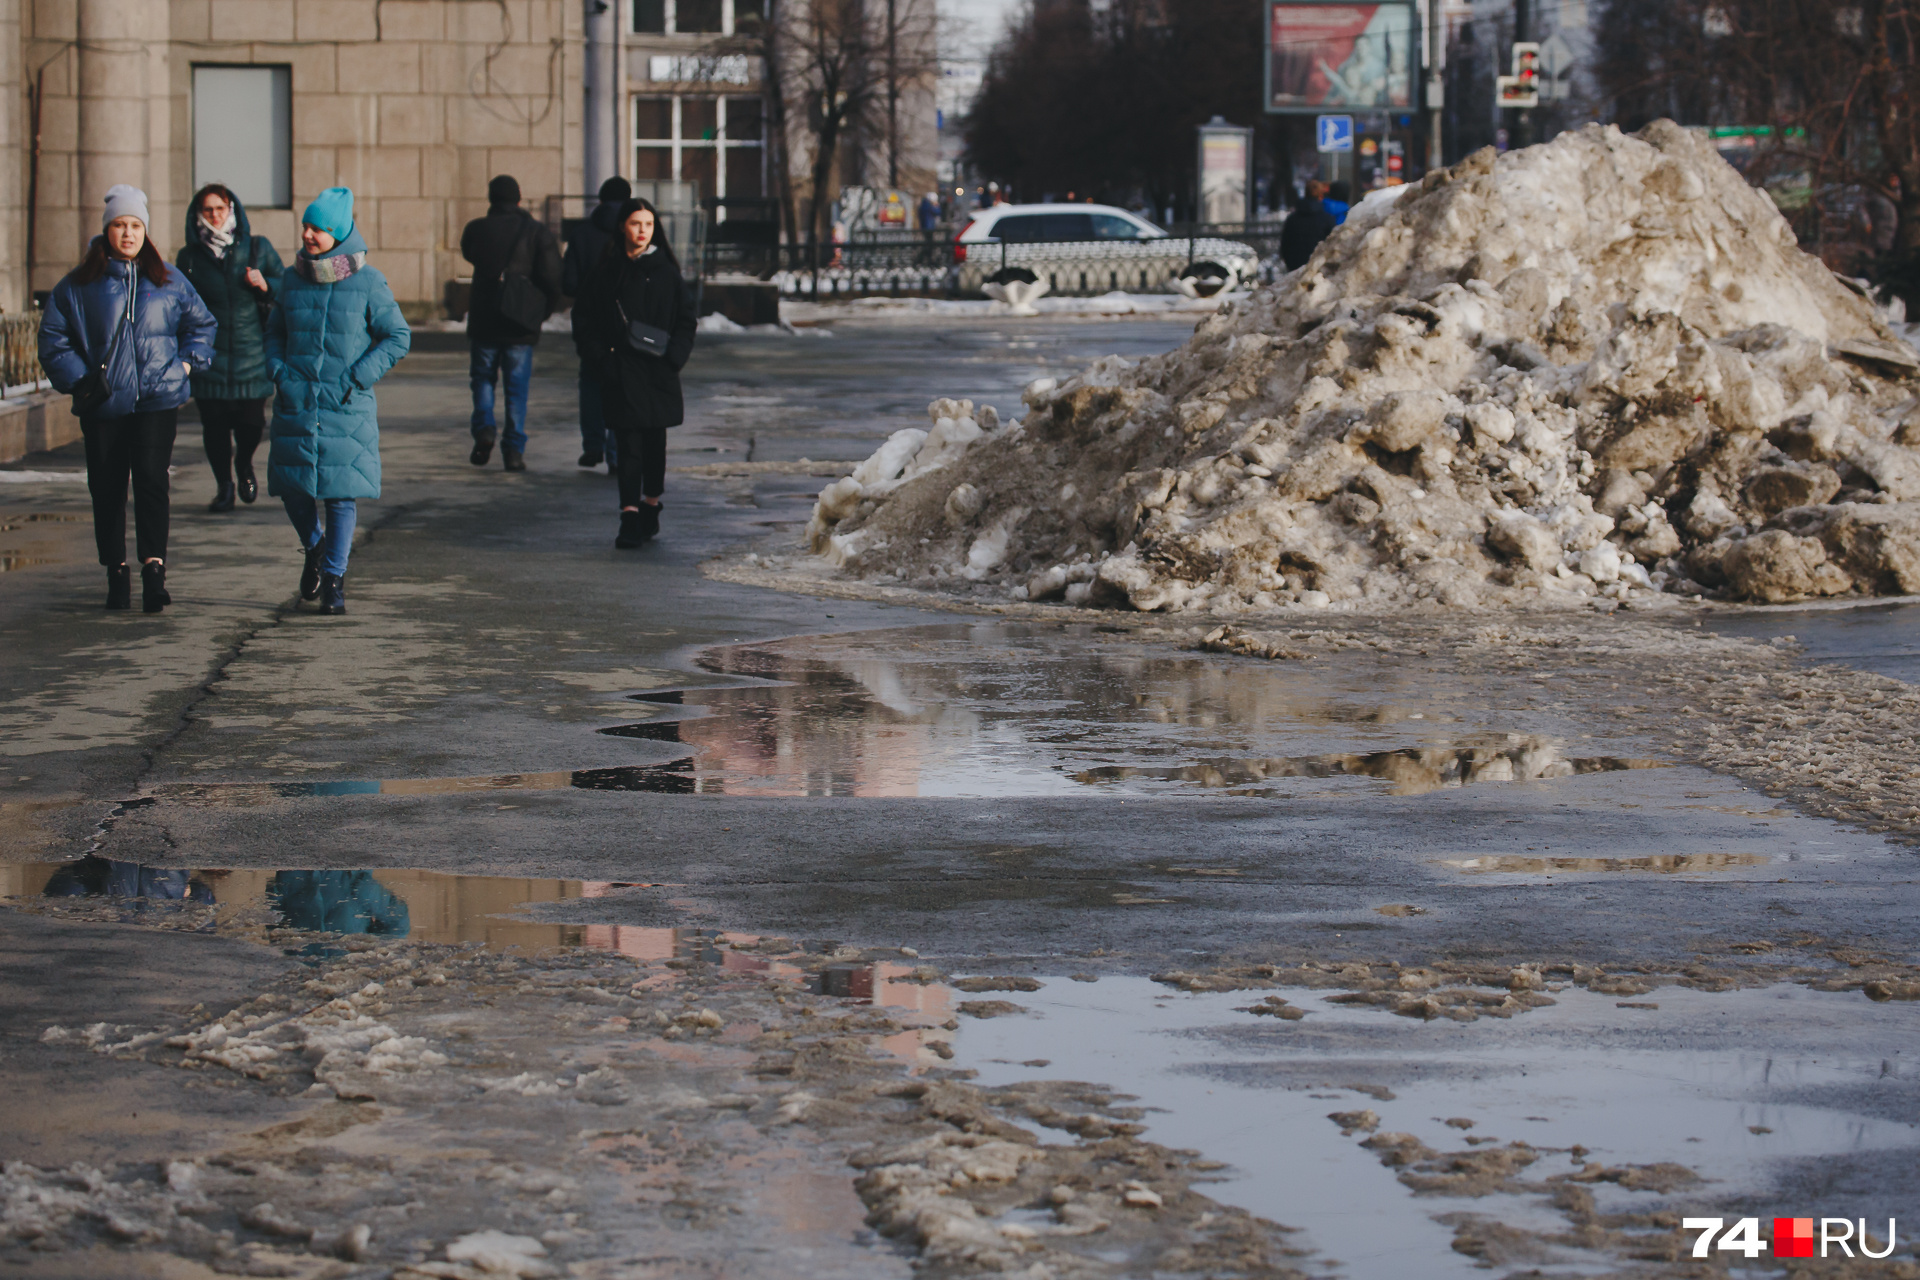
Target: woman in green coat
[
  {"x": 334, "y": 333},
  {"x": 237, "y": 274}
]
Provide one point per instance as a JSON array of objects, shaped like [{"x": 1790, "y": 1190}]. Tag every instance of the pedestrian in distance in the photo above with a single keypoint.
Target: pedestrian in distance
[
  {"x": 1339, "y": 200},
  {"x": 336, "y": 332},
  {"x": 516, "y": 286},
  {"x": 236, "y": 273},
  {"x": 584, "y": 249},
  {"x": 122, "y": 334},
  {"x": 1305, "y": 227},
  {"x": 638, "y": 314}
]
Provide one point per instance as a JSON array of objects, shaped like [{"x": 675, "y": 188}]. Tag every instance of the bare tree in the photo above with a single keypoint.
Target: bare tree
[{"x": 1832, "y": 84}]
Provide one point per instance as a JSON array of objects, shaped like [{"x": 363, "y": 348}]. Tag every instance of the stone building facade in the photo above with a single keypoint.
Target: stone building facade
[{"x": 414, "y": 104}]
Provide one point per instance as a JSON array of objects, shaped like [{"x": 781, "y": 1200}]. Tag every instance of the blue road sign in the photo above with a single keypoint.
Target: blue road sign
[{"x": 1335, "y": 133}]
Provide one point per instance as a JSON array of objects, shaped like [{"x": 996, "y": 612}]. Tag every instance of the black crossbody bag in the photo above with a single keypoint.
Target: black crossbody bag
[{"x": 645, "y": 338}]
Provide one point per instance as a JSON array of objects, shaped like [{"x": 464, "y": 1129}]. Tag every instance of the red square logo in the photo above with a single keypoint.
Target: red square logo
[{"x": 1793, "y": 1237}]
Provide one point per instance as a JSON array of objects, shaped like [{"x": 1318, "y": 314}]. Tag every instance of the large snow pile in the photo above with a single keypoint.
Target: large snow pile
[{"x": 1599, "y": 366}]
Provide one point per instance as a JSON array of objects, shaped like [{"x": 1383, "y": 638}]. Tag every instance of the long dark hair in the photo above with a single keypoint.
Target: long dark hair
[
  {"x": 615, "y": 254},
  {"x": 94, "y": 265}
]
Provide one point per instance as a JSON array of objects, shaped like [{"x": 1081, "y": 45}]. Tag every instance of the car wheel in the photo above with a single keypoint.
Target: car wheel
[
  {"x": 1204, "y": 279},
  {"x": 1009, "y": 275}
]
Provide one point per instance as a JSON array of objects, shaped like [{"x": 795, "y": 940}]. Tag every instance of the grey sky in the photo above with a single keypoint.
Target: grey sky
[{"x": 977, "y": 23}]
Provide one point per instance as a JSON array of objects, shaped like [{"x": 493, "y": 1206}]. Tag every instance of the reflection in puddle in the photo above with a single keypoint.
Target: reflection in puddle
[
  {"x": 1004, "y": 709},
  {"x": 671, "y": 778},
  {"x": 425, "y": 906},
  {"x": 10, "y": 524},
  {"x": 1412, "y": 770},
  {"x": 1743, "y": 1087},
  {"x": 1666, "y": 863}
]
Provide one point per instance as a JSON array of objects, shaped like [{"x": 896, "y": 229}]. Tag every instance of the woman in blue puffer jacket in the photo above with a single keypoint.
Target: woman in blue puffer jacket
[
  {"x": 334, "y": 333},
  {"x": 122, "y": 334}
]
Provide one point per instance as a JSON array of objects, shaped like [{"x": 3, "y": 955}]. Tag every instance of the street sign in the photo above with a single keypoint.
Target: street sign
[{"x": 1334, "y": 133}]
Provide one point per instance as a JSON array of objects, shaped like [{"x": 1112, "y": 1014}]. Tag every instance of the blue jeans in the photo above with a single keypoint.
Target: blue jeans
[
  {"x": 304, "y": 511},
  {"x": 488, "y": 363},
  {"x": 594, "y": 436}
]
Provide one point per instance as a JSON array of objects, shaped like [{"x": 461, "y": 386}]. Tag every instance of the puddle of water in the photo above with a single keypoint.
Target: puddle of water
[
  {"x": 10, "y": 561},
  {"x": 1412, "y": 771},
  {"x": 1004, "y": 709},
  {"x": 671, "y": 778},
  {"x": 1719, "y": 1083},
  {"x": 1661, "y": 863},
  {"x": 424, "y": 906}
]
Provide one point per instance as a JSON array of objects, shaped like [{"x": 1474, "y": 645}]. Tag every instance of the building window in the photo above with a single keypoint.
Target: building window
[
  {"x": 696, "y": 17},
  {"x": 717, "y": 142},
  {"x": 243, "y": 132}
]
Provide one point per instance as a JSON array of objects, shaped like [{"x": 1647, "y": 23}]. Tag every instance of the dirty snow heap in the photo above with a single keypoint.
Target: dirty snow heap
[{"x": 1596, "y": 367}]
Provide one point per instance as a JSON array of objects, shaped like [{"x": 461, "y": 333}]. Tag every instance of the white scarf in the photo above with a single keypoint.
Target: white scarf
[{"x": 217, "y": 239}]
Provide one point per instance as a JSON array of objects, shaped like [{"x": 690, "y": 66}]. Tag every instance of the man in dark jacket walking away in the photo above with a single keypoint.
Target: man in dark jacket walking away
[
  {"x": 516, "y": 286},
  {"x": 584, "y": 247},
  {"x": 1305, "y": 228}
]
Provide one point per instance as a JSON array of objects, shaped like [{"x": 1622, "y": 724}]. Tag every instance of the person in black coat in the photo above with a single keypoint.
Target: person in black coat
[
  {"x": 638, "y": 284},
  {"x": 507, "y": 239},
  {"x": 584, "y": 247},
  {"x": 1305, "y": 228}
]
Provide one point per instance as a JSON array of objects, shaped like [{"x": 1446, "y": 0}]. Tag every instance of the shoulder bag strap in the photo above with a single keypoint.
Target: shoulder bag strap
[{"x": 520, "y": 235}]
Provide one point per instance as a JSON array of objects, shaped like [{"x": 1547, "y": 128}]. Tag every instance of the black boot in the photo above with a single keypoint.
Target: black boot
[
  {"x": 153, "y": 587},
  {"x": 589, "y": 459},
  {"x": 650, "y": 519},
  {"x": 511, "y": 460},
  {"x": 223, "y": 500},
  {"x": 333, "y": 594},
  {"x": 249, "y": 486},
  {"x": 482, "y": 450},
  {"x": 631, "y": 534},
  {"x": 119, "y": 587},
  {"x": 310, "y": 573}
]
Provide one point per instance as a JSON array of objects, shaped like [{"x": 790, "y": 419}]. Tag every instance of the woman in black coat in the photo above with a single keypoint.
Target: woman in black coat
[{"x": 636, "y": 319}]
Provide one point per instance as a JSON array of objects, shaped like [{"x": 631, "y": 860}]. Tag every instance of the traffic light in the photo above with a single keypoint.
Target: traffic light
[{"x": 1522, "y": 88}]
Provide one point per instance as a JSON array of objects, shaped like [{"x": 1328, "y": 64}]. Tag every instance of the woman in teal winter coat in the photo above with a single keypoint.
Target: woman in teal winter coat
[
  {"x": 236, "y": 273},
  {"x": 334, "y": 333}
]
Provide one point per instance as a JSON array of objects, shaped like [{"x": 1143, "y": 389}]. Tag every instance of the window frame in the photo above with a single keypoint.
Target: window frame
[
  {"x": 677, "y": 145},
  {"x": 193, "y": 128},
  {"x": 670, "y": 24}
]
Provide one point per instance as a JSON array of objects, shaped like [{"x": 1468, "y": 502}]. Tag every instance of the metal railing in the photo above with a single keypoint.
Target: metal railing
[
  {"x": 926, "y": 263},
  {"x": 20, "y": 352}
]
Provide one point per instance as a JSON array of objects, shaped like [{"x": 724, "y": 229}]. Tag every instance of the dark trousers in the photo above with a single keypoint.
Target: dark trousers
[
  {"x": 137, "y": 447},
  {"x": 642, "y": 447},
  {"x": 231, "y": 430}
]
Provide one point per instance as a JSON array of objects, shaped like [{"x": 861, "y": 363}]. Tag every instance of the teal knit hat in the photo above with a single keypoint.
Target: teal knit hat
[{"x": 332, "y": 212}]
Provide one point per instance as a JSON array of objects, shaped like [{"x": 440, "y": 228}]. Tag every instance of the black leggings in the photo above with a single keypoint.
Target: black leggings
[
  {"x": 231, "y": 430},
  {"x": 137, "y": 447},
  {"x": 642, "y": 448}
]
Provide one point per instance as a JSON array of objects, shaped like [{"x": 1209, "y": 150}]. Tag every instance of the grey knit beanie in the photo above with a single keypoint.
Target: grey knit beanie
[{"x": 124, "y": 201}]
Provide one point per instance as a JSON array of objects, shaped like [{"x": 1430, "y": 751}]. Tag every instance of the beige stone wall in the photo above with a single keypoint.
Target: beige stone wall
[
  {"x": 13, "y": 160},
  {"x": 414, "y": 104}
]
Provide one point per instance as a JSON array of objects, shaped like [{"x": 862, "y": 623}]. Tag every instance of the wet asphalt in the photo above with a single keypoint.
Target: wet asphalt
[{"x": 854, "y": 788}]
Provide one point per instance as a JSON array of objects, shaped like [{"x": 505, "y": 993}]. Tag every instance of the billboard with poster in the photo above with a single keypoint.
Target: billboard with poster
[{"x": 1346, "y": 57}]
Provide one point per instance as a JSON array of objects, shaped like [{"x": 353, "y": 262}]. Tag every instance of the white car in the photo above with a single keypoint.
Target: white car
[{"x": 1093, "y": 248}]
